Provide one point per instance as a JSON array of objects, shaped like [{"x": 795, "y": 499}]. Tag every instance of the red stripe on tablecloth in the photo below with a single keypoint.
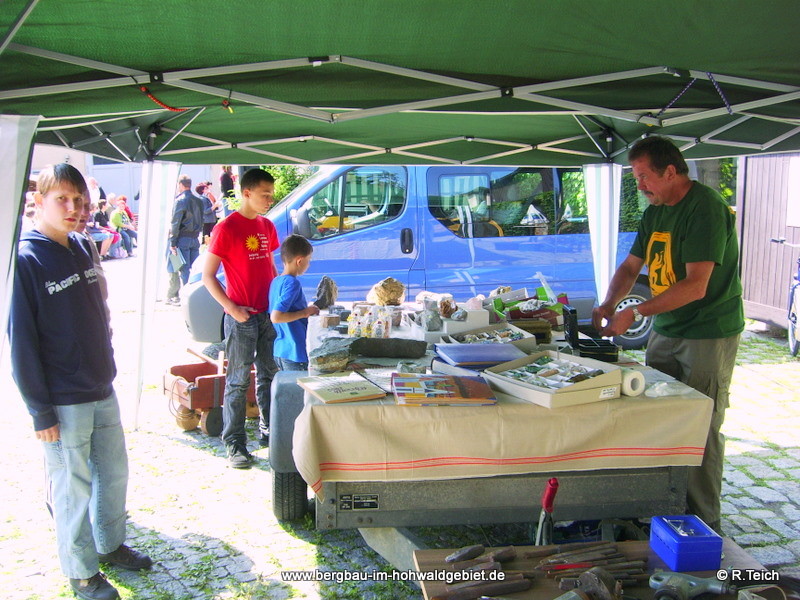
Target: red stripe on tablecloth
[{"x": 454, "y": 461}]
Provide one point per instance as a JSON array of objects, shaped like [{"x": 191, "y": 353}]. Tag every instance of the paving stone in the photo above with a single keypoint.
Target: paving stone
[
  {"x": 726, "y": 508},
  {"x": 739, "y": 460},
  {"x": 763, "y": 471},
  {"x": 782, "y": 527},
  {"x": 793, "y": 452},
  {"x": 772, "y": 556},
  {"x": 750, "y": 539},
  {"x": 766, "y": 494},
  {"x": 738, "y": 479},
  {"x": 794, "y": 473},
  {"x": 746, "y": 524},
  {"x": 790, "y": 511},
  {"x": 794, "y": 547},
  {"x": 729, "y": 528},
  {"x": 786, "y": 463},
  {"x": 759, "y": 513},
  {"x": 790, "y": 488},
  {"x": 744, "y": 501},
  {"x": 245, "y": 576}
]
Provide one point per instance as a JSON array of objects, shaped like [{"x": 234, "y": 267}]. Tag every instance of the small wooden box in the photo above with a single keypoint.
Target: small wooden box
[{"x": 199, "y": 386}]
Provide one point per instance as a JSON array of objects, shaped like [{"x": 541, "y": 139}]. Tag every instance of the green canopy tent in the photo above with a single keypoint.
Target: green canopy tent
[{"x": 509, "y": 82}]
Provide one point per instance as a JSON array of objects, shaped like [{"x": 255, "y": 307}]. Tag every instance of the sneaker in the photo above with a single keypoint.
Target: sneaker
[
  {"x": 239, "y": 457},
  {"x": 94, "y": 588},
  {"x": 263, "y": 438},
  {"x": 173, "y": 301},
  {"x": 126, "y": 557}
]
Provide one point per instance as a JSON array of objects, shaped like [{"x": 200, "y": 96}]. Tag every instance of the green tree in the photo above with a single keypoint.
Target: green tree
[{"x": 287, "y": 178}]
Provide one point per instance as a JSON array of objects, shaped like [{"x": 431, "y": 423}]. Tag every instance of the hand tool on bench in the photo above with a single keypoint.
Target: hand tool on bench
[
  {"x": 544, "y": 531},
  {"x": 679, "y": 586}
]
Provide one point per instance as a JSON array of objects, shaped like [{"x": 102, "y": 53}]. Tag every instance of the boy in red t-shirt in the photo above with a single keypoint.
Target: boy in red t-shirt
[{"x": 243, "y": 242}]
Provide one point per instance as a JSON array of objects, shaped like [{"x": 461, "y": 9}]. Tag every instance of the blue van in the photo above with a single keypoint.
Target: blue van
[{"x": 460, "y": 229}]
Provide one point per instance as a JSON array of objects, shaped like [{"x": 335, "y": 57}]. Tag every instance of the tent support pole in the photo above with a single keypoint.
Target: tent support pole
[{"x": 12, "y": 31}]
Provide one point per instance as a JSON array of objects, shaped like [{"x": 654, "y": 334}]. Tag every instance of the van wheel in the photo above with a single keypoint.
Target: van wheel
[
  {"x": 289, "y": 496},
  {"x": 636, "y": 337}
]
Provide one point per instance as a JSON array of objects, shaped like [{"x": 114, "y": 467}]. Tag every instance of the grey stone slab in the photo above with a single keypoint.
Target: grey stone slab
[
  {"x": 759, "y": 513},
  {"x": 740, "y": 460},
  {"x": 245, "y": 576},
  {"x": 786, "y": 463},
  {"x": 763, "y": 471},
  {"x": 793, "y": 473},
  {"x": 750, "y": 539},
  {"x": 738, "y": 479},
  {"x": 785, "y": 486},
  {"x": 772, "y": 556},
  {"x": 727, "y": 508},
  {"x": 790, "y": 511},
  {"x": 782, "y": 527},
  {"x": 744, "y": 502},
  {"x": 766, "y": 494},
  {"x": 745, "y": 524}
]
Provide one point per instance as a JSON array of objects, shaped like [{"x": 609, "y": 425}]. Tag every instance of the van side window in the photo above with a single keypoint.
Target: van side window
[
  {"x": 362, "y": 197},
  {"x": 573, "y": 215},
  {"x": 492, "y": 202}
]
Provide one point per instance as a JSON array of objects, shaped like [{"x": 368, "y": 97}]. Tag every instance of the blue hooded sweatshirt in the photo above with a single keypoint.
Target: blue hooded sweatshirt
[{"x": 61, "y": 350}]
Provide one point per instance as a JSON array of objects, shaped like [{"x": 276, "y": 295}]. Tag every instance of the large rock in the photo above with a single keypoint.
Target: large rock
[
  {"x": 335, "y": 352},
  {"x": 327, "y": 292},
  {"x": 388, "y": 292}
]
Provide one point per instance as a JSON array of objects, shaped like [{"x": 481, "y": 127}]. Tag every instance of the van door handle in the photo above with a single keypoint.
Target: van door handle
[{"x": 406, "y": 241}]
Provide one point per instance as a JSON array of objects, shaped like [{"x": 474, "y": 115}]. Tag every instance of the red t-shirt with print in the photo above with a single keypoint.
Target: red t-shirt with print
[{"x": 245, "y": 247}]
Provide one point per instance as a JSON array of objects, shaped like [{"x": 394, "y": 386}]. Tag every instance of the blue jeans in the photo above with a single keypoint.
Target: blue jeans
[
  {"x": 87, "y": 470},
  {"x": 190, "y": 248},
  {"x": 245, "y": 344},
  {"x": 284, "y": 364},
  {"x": 127, "y": 235}
]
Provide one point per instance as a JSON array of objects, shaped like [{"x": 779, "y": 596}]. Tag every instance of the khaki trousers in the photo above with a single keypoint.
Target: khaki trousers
[{"x": 707, "y": 366}]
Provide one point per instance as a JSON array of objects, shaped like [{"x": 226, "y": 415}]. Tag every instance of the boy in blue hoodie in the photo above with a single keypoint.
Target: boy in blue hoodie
[{"x": 63, "y": 364}]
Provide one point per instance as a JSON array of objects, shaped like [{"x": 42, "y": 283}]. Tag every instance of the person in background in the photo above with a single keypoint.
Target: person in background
[
  {"x": 124, "y": 226},
  {"x": 187, "y": 223},
  {"x": 96, "y": 193},
  {"x": 687, "y": 238},
  {"x": 289, "y": 310},
  {"x": 102, "y": 221},
  {"x": 226, "y": 185},
  {"x": 203, "y": 190},
  {"x": 63, "y": 364},
  {"x": 243, "y": 243}
]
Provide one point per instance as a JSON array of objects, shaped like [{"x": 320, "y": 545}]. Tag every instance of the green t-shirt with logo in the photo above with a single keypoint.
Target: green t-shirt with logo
[{"x": 701, "y": 227}]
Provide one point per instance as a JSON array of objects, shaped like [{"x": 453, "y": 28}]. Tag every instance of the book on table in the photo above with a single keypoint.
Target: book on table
[
  {"x": 478, "y": 356},
  {"x": 345, "y": 386},
  {"x": 420, "y": 389}
]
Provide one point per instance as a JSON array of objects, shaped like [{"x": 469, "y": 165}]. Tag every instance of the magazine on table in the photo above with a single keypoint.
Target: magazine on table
[
  {"x": 419, "y": 389},
  {"x": 345, "y": 386}
]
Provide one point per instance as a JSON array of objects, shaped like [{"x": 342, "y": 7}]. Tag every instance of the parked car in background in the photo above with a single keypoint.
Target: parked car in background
[{"x": 460, "y": 229}]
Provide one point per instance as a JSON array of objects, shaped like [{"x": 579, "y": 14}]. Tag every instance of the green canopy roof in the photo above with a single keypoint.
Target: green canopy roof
[{"x": 516, "y": 82}]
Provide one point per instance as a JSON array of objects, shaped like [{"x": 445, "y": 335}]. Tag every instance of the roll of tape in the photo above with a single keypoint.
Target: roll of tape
[{"x": 632, "y": 382}]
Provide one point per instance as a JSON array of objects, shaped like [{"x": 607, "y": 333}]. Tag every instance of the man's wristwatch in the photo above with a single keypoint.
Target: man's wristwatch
[{"x": 637, "y": 316}]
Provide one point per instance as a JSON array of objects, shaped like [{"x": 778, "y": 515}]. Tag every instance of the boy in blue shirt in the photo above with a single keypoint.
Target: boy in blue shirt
[{"x": 289, "y": 310}]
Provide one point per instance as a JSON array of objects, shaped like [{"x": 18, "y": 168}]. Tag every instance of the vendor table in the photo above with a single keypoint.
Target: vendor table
[
  {"x": 377, "y": 464},
  {"x": 547, "y": 589}
]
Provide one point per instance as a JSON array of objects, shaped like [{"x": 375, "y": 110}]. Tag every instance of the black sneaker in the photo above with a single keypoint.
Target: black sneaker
[
  {"x": 239, "y": 457},
  {"x": 126, "y": 557},
  {"x": 94, "y": 588}
]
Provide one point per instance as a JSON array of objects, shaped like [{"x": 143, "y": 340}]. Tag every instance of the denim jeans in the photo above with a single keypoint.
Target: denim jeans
[
  {"x": 190, "y": 248},
  {"x": 245, "y": 344},
  {"x": 87, "y": 470},
  {"x": 126, "y": 240},
  {"x": 284, "y": 364}
]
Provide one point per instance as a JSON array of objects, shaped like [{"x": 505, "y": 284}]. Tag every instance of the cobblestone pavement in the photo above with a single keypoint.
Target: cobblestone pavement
[{"x": 211, "y": 531}]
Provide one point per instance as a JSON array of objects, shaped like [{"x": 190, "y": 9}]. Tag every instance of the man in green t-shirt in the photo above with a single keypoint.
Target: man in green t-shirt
[{"x": 687, "y": 238}]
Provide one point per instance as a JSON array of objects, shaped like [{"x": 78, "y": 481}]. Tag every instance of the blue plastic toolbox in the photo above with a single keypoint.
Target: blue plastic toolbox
[{"x": 685, "y": 543}]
